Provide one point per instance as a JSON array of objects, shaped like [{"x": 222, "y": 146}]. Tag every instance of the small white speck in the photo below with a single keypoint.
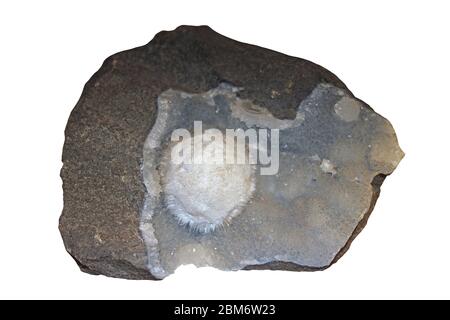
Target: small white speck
[
  {"x": 328, "y": 167},
  {"x": 98, "y": 238}
]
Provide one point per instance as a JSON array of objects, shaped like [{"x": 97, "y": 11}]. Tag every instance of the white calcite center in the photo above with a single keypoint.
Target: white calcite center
[{"x": 202, "y": 192}]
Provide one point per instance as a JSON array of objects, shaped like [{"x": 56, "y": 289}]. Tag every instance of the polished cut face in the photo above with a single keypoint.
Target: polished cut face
[{"x": 302, "y": 190}]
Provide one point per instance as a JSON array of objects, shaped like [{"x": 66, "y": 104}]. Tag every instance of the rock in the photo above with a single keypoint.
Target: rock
[{"x": 149, "y": 184}]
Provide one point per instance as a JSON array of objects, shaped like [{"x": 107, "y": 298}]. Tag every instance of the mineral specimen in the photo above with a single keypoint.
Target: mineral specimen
[{"x": 197, "y": 149}]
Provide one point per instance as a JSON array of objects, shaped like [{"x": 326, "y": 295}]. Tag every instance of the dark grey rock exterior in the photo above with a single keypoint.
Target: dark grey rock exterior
[{"x": 104, "y": 190}]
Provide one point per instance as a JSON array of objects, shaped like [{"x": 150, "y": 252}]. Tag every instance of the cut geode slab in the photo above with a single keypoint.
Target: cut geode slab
[{"x": 131, "y": 211}]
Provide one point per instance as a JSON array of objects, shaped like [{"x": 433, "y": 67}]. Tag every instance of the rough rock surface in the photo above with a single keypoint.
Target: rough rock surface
[{"x": 337, "y": 151}]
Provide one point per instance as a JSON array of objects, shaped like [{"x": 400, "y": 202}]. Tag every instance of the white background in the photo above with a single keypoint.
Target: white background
[{"x": 392, "y": 54}]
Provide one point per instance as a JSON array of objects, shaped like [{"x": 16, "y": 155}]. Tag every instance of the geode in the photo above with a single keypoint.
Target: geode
[{"x": 198, "y": 149}]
